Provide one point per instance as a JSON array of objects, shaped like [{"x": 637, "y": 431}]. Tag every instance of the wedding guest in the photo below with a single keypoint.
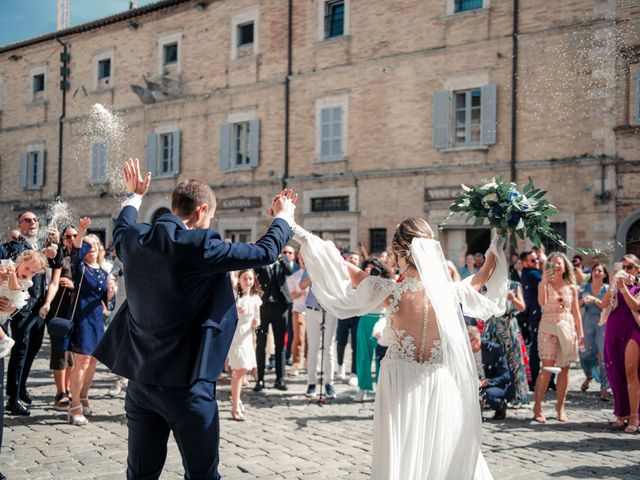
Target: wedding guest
[
  {"x": 592, "y": 358},
  {"x": 274, "y": 311},
  {"x": 315, "y": 317},
  {"x": 478, "y": 260},
  {"x": 348, "y": 327},
  {"x": 241, "y": 354},
  {"x": 468, "y": 268},
  {"x": 560, "y": 331},
  {"x": 495, "y": 382},
  {"x": 531, "y": 277},
  {"x": 505, "y": 332},
  {"x": 88, "y": 327},
  {"x": 582, "y": 271},
  {"x": 61, "y": 360},
  {"x": 298, "y": 311},
  {"x": 515, "y": 273},
  {"x": 621, "y": 343}
]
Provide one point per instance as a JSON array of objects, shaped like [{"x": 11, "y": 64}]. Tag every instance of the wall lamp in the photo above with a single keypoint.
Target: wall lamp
[
  {"x": 133, "y": 25},
  {"x": 201, "y": 6}
]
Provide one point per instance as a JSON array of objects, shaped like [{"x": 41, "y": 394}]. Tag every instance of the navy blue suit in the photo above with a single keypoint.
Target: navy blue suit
[{"x": 172, "y": 335}]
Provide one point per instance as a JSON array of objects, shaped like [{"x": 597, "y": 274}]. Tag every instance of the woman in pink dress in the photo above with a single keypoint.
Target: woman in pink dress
[{"x": 621, "y": 343}]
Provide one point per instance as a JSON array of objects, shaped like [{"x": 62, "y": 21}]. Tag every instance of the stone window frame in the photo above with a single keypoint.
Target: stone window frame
[
  {"x": 108, "y": 82},
  {"x": 321, "y": 36},
  {"x": 332, "y": 102},
  {"x": 168, "y": 128},
  {"x": 309, "y": 195},
  {"x": 41, "y": 95},
  {"x": 451, "y": 7},
  {"x": 168, "y": 38},
  {"x": 247, "y": 15}
]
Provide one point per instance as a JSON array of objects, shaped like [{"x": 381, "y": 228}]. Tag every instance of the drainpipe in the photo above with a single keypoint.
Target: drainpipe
[
  {"x": 287, "y": 89},
  {"x": 64, "y": 86},
  {"x": 514, "y": 91}
]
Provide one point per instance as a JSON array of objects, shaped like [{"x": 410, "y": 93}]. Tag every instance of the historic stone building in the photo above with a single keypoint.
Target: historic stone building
[{"x": 375, "y": 110}]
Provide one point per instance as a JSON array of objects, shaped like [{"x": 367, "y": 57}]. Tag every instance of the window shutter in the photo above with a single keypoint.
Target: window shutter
[
  {"x": 176, "y": 152},
  {"x": 24, "y": 160},
  {"x": 488, "y": 114},
  {"x": 152, "y": 154},
  {"x": 441, "y": 119},
  {"x": 42, "y": 155},
  {"x": 638, "y": 96},
  {"x": 225, "y": 146},
  {"x": 95, "y": 159},
  {"x": 102, "y": 170},
  {"x": 254, "y": 143}
]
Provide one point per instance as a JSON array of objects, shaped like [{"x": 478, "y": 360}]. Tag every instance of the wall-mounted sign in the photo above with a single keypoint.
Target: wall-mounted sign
[
  {"x": 240, "y": 202},
  {"x": 441, "y": 193}
]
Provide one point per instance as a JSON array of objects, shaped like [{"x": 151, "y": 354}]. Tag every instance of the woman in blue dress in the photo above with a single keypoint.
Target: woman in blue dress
[
  {"x": 93, "y": 293},
  {"x": 592, "y": 358}
]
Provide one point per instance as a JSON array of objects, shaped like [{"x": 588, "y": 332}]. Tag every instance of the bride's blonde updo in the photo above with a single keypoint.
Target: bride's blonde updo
[{"x": 412, "y": 227}]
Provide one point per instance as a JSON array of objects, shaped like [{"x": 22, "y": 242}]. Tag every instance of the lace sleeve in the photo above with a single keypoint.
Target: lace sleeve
[{"x": 330, "y": 281}]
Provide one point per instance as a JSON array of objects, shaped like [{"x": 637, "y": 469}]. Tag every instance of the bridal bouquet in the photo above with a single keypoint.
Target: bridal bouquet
[{"x": 503, "y": 207}]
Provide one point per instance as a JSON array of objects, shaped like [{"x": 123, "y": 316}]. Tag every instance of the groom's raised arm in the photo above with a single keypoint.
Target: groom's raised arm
[{"x": 136, "y": 187}]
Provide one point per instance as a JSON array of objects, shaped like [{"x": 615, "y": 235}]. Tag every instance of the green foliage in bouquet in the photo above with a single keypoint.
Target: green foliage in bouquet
[{"x": 500, "y": 204}]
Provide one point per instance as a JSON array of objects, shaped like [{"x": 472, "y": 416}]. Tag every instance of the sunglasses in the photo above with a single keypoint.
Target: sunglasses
[
  {"x": 69, "y": 237},
  {"x": 629, "y": 267},
  {"x": 30, "y": 220}
]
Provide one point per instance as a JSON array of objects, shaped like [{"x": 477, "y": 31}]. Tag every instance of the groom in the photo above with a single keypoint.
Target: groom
[{"x": 172, "y": 335}]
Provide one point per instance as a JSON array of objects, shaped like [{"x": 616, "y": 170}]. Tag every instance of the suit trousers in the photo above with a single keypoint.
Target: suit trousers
[
  {"x": 275, "y": 314},
  {"x": 493, "y": 396},
  {"x": 314, "y": 337},
  {"x": 191, "y": 413},
  {"x": 28, "y": 338},
  {"x": 346, "y": 326}
]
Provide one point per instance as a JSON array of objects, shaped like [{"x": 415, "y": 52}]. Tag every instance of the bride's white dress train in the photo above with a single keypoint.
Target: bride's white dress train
[{"x": 427, "y": 422}]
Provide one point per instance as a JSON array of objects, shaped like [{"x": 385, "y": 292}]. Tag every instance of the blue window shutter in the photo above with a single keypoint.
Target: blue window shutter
[
  {"x": 225, "y": 146},
  {"x": 24, "y": 160},
  {"x": 488, "y": 114},
  {"x": 638, "y": 96},
  {"x": 40, "y": 172},
  {"x": 152, "y": 154},
  {"x": 254, "y": 143},
  {"x": 176, "y": 152},
  {"x": 441, "y": 119}
]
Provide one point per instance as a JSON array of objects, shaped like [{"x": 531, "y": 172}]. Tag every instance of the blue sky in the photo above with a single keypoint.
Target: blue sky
[{"x": 22, "y": 19}]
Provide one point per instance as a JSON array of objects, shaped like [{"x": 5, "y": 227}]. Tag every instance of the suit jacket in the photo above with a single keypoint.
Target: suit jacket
[
  {"x": 179, "y": 318},
  {"x": 273, "y": 282},
  {"x": 494, "y": 362}
]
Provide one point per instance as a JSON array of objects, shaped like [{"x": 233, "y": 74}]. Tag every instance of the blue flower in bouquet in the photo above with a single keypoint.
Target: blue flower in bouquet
[
  {"x": 513, "y": 194},
  {"x": 513, "y": 220},
  {"x": 496, "y": 211}
]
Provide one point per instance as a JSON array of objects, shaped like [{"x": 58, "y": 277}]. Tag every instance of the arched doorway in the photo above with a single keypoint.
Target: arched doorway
[
  {"x": 158, "y": 213},
  {"x": 628, "y": 238}
]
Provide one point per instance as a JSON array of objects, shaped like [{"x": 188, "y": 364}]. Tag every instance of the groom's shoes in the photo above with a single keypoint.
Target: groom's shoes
[
  {"x": 259, "y": 386},
  {"x": 501, "y": 411},
  {"x": 281, "y": 385}
]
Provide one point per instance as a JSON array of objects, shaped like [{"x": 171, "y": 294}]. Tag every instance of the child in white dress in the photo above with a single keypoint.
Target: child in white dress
[
  {"x": 242, "y": 356},
  {"x": 14, "y": 285}
]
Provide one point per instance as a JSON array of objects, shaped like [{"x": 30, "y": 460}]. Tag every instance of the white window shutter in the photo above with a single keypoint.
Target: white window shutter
[
  {"x": 24, "y": 160},
  {"x": 488, "y": 114},
  {"x": 254, "y": 143},
  {"x": 152, "y": 154},
  {"x": 176, "y": 152},
  {"x": 441, "y": 101},
  {"x": 225, "y": 146}
]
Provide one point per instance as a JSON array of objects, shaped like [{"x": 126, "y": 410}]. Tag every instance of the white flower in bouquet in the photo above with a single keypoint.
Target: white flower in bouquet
[{"x": 491, "y": 197}]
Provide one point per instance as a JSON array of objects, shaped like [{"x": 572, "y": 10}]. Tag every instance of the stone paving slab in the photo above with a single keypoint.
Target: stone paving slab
[{"x": 286, "y": 436}]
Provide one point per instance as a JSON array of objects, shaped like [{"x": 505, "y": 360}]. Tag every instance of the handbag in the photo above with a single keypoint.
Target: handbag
[{"x": 59, "y": 327}]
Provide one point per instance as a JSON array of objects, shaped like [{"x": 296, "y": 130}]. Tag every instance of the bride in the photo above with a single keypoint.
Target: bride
[{"x": 427, "y": 422}]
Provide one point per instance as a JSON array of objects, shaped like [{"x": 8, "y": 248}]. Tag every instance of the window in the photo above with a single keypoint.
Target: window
[
  {"x": 104, "y": 68},
  {"x": 550, "y": 246},
  {"x": 467, "y": 117},
  {"x": 163, "y": 153},
  {"x": 466, "y": 5},
  {"x": 330, "y": 204},
  {"x": 243, "y": 236},
  {"x": 170, "y": 53},
  {"x": 331, "y": 139},
  {"x": 472, "y": 121},
  {"x": 38, "y": 83},
  {"x": 32, "y": 168},
  {"x": 245, "y": 34},
  {"x": 334, "y": 18},
  {"x": 240, "y": 145},
  {"x": 98, "y": 162},
  {"x": 378, "y": 240}
]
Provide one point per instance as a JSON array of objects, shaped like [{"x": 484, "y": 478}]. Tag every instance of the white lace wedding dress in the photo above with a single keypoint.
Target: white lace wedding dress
[{"x": 427, "y": 421}]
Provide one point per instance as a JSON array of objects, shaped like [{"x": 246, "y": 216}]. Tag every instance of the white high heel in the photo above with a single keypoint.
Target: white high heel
[{"x": 77, "y": 420}]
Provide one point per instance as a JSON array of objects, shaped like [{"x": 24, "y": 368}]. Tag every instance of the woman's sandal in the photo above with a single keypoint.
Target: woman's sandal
[
  {"x": 87, "y": 411},
  {"x": 585, "y": 385},
  {"x": 633, "y": 427},
  {"x": 237, "y": 415},
  {"x": 77, "y": 420},
  {"x": 562, "y": 416},
  {"x": 604, "y": 396},
  {"x": 619, "y": 423}
]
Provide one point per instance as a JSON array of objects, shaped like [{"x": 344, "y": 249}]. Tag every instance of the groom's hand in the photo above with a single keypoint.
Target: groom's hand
[
  {"x": 284, "y": 205},
  {"x": 133, "y": 178}
]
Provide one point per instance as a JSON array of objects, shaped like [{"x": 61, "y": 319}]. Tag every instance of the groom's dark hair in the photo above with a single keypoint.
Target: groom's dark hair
[{"x": 189, "y": 195}]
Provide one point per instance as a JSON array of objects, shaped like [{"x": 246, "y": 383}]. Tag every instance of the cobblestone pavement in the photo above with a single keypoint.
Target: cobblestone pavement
[{"x": 288, "y": 437}]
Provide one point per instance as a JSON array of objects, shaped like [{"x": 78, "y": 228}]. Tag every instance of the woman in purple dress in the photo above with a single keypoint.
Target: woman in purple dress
[{"x": 621, "y": 343}]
